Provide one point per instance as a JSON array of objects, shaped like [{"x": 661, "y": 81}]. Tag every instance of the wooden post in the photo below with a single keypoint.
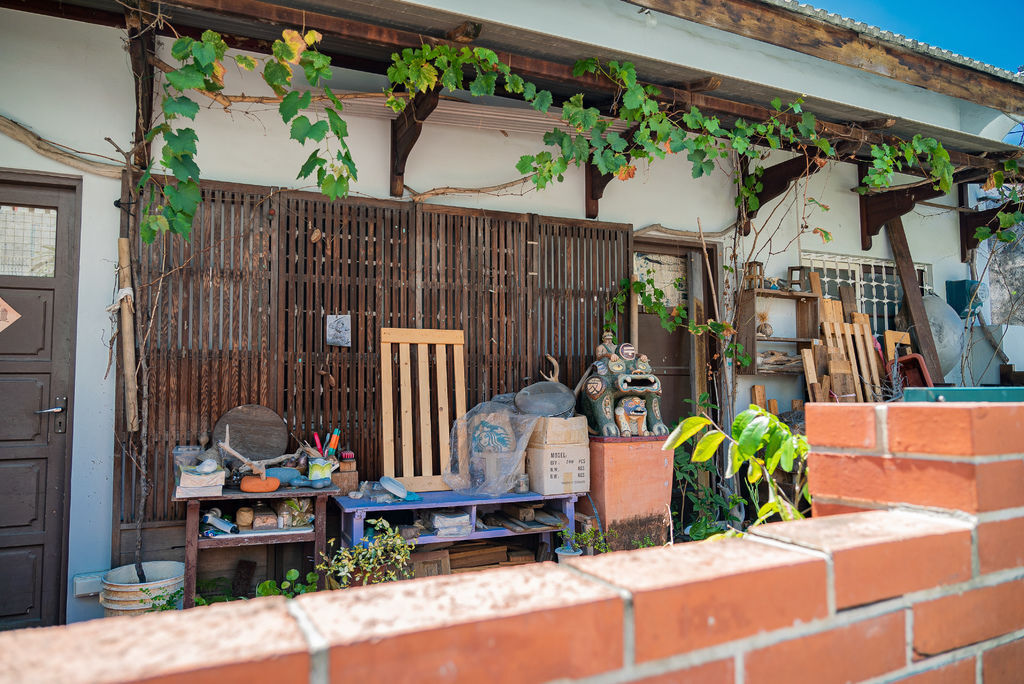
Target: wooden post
[
  {"x": 634, "y": 314},
  {"x": 131, "y": 388},
  {"x": 912, "y": 292}
]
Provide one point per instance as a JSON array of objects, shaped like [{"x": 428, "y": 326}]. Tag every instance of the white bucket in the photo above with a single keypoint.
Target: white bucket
[{"x": 123, "y": 593}]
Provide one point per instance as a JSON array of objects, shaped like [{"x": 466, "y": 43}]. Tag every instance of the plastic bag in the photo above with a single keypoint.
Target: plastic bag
[{"x": 488, "y": 449}]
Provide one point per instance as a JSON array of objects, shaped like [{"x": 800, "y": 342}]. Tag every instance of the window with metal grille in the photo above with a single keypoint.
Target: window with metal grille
[{"x": 875, "y": 282}]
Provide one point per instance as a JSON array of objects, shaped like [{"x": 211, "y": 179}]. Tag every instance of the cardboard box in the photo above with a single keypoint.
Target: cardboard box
[
  {"x": 559, "y": 469},
  {"x": 550, "y": 431}
]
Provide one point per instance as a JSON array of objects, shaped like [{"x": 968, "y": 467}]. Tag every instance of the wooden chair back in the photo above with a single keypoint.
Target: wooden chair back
[{"x": 424, "y": 406}]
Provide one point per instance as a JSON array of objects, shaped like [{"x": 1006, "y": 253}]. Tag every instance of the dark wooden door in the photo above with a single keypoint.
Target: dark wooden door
[{"x": 38, "y": 275}]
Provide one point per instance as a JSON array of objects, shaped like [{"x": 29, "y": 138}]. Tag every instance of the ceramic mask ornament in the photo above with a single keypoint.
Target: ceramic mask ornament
[{"x": 623, "y": 397}]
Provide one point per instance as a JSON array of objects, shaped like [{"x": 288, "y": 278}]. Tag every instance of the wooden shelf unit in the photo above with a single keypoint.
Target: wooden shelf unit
[
  {"x": 807, "y": 324},
  {"x": 354, "y": 513},
  {"x": 193, "y": 542}
]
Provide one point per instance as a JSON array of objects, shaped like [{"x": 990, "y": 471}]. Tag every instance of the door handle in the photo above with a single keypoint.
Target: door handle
[{"x": 60, "y": 411}]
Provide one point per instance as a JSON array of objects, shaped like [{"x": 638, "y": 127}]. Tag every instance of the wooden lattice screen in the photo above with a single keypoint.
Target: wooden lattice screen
[
  {"x": 581, "y": 264},
  {"x": 210, "y": 341},
  {"x": 242, "y": 311}
]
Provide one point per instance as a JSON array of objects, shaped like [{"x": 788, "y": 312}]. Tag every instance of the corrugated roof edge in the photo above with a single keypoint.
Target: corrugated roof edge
[{"x": 894, "y": 38}]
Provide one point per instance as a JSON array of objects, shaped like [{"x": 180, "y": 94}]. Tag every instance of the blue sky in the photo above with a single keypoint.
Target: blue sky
[{"x": 981, "y": 29}]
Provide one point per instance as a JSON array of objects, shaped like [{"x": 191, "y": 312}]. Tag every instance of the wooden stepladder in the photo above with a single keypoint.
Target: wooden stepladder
[{"x": 425, "y": 417}]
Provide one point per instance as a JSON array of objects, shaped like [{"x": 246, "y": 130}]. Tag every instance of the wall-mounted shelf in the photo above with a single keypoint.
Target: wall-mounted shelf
[{"x": 807, "y": 324}]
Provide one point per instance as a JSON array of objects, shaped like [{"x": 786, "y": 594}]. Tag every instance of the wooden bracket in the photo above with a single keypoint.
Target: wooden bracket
[
  {"x": 776, "y": 179},
  {"x": 594, "y": 182},
  {"x": 878, "y": 209},
  {"x": 405, "y": 131},
  {"x": 971, "y": 221}
]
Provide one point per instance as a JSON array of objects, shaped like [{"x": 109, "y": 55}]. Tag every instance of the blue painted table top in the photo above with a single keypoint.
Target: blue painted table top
[{"x": 444, "y": 500}]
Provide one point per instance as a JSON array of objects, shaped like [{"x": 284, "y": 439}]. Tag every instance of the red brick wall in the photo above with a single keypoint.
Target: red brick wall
[{"x": 927, "y": 586}]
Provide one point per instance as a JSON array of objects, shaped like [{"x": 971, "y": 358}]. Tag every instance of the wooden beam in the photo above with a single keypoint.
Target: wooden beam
[
  {"x": 912, "y": 296},
  {"x": 405, "y": 131},
  {"x": 847, "y": 47},
  {"x": 141, "y": 44},
  {"x": 466, "y": 32},
  {"x": 703, "y": 85}
]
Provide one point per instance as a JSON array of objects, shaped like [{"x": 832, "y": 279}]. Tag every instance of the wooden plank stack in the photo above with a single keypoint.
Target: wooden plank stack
[{"x": 845, "y": 366}]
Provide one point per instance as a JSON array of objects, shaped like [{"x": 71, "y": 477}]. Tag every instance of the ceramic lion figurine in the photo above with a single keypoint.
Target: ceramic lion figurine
[{"x": 623, "y": 397}]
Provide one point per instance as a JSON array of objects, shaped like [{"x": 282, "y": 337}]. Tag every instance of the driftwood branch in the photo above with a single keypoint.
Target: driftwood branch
[
  {"x": 19, "y": 133},
  {"x": 448, "y": 190},
  {"x": 258, "y": 467}
]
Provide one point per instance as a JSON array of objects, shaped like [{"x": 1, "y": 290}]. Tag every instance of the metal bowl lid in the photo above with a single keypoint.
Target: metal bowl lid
[{"x": 545, "y": 399}]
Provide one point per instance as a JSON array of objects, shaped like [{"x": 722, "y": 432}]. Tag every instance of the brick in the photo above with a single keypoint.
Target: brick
[
  {"x": 241, "y": 641},
  {"x": 881, "y": 554},
  {"x": 631, "y": 486},
  {"x": 961, "y": 486},
  {"x": 961, "y": 619},
  {"x": 846, "y": 654},
  {"x": 709, "y": 673},
  {"x": 1003, "y": 664},
  {"x": 1001, "y": 545},
  {"x": 959, "y": 429},
  {"x": 841, "y": 425},
  {"x": 999, "y": 484},
  {"x": 959, "y": 672},
  {"x": 690, "y": 596},
  {"x": 821, "y": 508},
  {"x": 545, "y": 620}
]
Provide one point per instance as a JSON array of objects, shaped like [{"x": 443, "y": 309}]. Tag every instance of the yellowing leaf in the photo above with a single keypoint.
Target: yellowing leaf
[
  {"x": 295, "y": 42},
  {"x": 218, "y": 73},
  {"x": 707, "y": 446},
  {"x": 312, "y": 37},
  {"x": 753, "y": 471},
  {"x": 684, "y": 431}
]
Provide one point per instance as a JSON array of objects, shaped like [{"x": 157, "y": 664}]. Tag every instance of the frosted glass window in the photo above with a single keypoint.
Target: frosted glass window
[{"x": 28, "y": 240}]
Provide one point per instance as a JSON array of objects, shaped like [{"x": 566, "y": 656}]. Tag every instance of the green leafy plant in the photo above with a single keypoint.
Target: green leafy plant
[
  {"x": 592, "y": 537},
  {"x": 163, "y": 600},
  {"x": 654, "y": 300},
  {"x": 384, "y": 558},
  {"x": 759, "y": 443},
  {"x": 289, "y": 587},
  {"x": 644, "y": 543},
  {"x": 654, "y": 128}
]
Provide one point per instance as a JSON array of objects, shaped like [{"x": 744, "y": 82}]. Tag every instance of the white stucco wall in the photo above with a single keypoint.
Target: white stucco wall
[
  {"x": 86, "y": 95},
  {"x": 77, "y": 91}
]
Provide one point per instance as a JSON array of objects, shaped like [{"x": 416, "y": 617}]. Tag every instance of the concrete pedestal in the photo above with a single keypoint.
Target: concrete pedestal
[{"x": 631, "y": 485}]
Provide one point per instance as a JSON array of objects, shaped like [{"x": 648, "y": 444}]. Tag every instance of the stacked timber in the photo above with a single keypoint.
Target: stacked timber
[{"x": 844, "y": 365}]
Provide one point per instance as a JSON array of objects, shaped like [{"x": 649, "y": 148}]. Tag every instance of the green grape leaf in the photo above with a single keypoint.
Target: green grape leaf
[{"x": 180, "y": 106}]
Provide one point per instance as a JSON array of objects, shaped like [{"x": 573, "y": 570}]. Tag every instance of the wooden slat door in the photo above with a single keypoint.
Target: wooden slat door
[{"x": 416, "y": 416}]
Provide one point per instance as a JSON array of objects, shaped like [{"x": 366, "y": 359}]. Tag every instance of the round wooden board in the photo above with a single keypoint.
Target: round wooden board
[{"x": 257, "y": 432}]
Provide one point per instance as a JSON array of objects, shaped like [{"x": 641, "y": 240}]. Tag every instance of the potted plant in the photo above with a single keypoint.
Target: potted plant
[
  {"x": 381, "y": 556},
  {"x": 572, "y": 546}
]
